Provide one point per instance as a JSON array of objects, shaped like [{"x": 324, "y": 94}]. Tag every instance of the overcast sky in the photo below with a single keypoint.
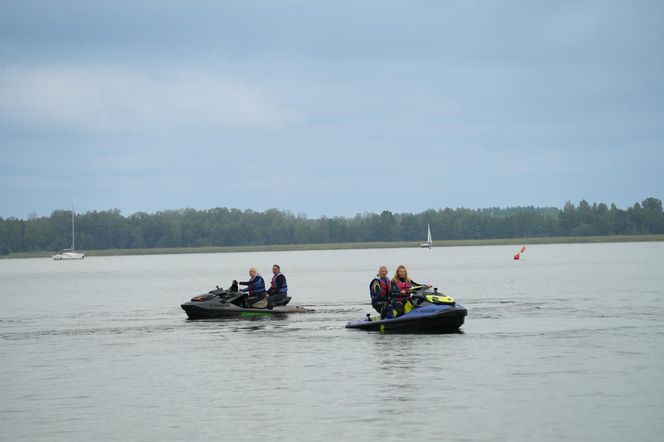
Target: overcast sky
[{"x": 328, "y": 108}]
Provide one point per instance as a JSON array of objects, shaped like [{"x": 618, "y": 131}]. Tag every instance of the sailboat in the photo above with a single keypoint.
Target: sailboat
[
  {"x": 429, "y": 243},
  {"x": 70, "y": 253}
]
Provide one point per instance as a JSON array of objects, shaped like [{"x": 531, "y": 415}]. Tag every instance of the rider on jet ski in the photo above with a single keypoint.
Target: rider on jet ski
[
  {"x": 255, "y": 288},
  {"x": 278, "y": 290},
  {"x": 402, "y": 287},
  {"x": 380, "y": 289}
]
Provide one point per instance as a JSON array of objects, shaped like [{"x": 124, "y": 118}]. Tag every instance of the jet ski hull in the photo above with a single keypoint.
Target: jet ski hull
[
  {"x": 221, "y": 303},
  {"x": 429, "y": 318},
  {"x": 195, "y": 310}
]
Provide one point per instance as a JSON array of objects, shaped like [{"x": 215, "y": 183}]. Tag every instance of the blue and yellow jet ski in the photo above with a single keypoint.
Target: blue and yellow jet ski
[{"x": 426, "y": 311}]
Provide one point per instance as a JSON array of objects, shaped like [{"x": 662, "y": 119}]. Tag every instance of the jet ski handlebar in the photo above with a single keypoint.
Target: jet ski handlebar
[
  {"x": 224, "y": 293},
  {"x": 422, "y": 289}
]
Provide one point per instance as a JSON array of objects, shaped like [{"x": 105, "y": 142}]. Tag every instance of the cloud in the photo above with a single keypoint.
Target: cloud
[{"x": 84, "y": 98}]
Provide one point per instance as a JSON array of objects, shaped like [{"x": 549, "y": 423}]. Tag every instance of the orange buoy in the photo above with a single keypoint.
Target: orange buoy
[{"x": 518, "y": 254}]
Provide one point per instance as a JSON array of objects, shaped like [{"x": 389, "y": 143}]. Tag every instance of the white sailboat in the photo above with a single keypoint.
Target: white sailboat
[
  {"x": 71, "y": 253},
  {"x": 429, "y": 243}
]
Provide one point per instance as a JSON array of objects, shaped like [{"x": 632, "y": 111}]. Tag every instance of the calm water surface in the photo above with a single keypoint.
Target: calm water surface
[{"x": 567, "y": 344}]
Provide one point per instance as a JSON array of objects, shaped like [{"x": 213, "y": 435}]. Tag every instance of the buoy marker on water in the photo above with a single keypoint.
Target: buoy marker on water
[{"x": 518, "y": 254}]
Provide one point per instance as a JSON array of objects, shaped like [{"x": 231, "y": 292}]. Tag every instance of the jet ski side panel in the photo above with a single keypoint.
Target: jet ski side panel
[
  {"x": 217, "y": 308},
  {"x": 427, "y": 318}
]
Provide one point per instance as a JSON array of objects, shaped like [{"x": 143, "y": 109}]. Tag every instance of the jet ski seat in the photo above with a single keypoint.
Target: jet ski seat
[{"x": 261, "y": 303}]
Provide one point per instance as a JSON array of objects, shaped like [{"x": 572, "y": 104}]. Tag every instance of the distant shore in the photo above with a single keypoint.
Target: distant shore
[{"x": 355, "y": 245}]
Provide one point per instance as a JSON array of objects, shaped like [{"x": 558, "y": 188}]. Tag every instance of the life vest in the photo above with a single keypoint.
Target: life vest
[
  {"x": 400, "y": 287},
  {"x": 256, "y": 285},
  {"x": 385, "y": 288},
  {"x": 273, "y": 285}
]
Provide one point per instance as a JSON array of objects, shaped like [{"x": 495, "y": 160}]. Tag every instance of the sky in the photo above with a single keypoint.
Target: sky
[{"x": 328, "y": 107}]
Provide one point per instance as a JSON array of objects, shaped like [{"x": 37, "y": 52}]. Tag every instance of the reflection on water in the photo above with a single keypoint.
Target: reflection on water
[{"x": 565, "y": 344}]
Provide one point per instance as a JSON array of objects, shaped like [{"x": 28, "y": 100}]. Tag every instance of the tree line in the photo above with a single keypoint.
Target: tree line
[{"x": 232, "y": 227}]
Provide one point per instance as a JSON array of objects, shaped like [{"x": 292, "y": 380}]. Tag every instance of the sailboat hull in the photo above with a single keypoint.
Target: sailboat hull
[{"x": 67, "y": 256}]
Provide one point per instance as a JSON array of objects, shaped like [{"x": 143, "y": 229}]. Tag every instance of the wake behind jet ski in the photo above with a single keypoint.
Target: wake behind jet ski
[
  {"x": 430, "y": 312},
  {"x": 221, "y": 303}
]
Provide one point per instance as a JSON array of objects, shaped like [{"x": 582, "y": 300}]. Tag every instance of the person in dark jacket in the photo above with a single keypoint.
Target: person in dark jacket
[
  {"x": 278, "y": 290},
  {"x": 255, "y": 288},
  {"x": 380, "y": 290}
]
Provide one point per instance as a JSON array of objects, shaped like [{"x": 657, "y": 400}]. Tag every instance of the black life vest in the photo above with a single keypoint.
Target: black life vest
[{"x": 385, "y": 288}]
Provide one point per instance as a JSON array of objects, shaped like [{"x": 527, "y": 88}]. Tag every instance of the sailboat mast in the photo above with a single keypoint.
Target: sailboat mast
[{"x": 72, "y": 228}]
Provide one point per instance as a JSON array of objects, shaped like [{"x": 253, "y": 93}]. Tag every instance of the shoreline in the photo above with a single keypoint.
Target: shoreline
[{"x": 353, "y": 245}]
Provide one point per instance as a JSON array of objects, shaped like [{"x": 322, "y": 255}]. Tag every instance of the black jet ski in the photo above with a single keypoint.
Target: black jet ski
[
  {"x": 429, "y": 311},
  {"x": 220, "y": 303}
]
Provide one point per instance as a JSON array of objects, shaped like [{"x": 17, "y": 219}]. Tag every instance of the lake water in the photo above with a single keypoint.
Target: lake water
[{"x": 566, "y": 344}]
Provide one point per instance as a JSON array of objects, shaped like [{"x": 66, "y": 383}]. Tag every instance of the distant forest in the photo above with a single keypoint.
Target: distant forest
[{"x": 232, "y": 227}]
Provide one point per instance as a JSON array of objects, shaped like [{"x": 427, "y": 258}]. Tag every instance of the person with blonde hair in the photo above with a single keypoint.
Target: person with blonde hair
[
  {"x": 402, "y": 287},
  {"x": 255, "y": 288}
]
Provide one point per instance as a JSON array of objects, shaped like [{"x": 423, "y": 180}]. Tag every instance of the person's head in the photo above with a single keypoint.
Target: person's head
[
  {"x": 401, "y": 273},
  {"x": 252, "y": 271},
  {"x": 276, "y": 269},
  {"x": 382, "y": 272}
]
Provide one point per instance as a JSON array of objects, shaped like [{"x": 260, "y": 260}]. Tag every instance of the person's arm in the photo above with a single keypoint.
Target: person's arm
[
  {"x": 412, "y": 283},
  {"x": 375, "y": 288},
  {"x": 244, "y": 290}
]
